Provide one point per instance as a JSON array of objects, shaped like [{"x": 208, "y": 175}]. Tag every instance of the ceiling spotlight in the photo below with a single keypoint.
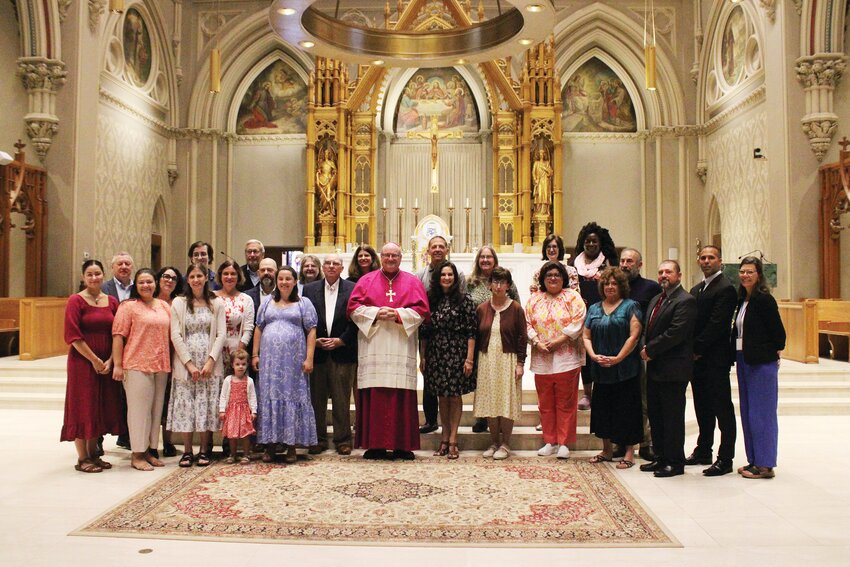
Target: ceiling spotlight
[
  {"x": 285, "y": 11},
  {"x": 378, "y": 62},
  {"x": 534, "y": 8},
  {"x": 461, "y": 62},
  {"x": 306, "y": 44},
  {"x": 526, "y": 41}
]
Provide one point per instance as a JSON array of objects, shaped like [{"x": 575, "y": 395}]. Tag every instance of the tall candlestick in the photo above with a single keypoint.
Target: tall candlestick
[
  {"x": 468, "y": 210},
  {"x": 400, "y": 225},
  {"x": 451, "y": 219},
  {"x": 386, "y": 228},
  {"x": 484, "y": 223}
]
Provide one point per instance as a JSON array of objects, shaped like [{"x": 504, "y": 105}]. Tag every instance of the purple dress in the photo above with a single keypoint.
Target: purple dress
[{"x": 285, "y": 412}]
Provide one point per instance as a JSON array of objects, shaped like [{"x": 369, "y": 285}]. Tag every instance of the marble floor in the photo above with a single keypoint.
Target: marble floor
[{"x": 800, "y": 517}]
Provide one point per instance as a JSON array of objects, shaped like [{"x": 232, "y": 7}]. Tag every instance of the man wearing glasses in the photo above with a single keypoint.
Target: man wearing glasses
[
  {"x": 387, "y": 305},
  {"x": 201, "y": 253},
  {"x": 254, "y": 253}
]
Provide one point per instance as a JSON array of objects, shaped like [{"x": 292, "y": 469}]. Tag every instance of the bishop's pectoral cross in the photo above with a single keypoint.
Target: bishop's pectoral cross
[
  {"x": 391, "y": 293},
  {"x": 434, "y": 135}
]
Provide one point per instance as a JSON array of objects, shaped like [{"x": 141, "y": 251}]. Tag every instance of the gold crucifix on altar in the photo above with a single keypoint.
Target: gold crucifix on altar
[{"x": 433, "y": 133}]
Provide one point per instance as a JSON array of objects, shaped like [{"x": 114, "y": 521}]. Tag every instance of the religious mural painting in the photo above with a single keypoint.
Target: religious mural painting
[
  {"x": 275, "y": 103},
  {"x": 137, "y": 48},
  {"x": 733, "y": 46},
  {"x": 596, "y": 100},
  {"x": 436, "y": 92}
]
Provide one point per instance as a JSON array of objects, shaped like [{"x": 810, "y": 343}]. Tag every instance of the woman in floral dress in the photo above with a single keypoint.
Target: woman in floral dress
[
  {"x": 284, "y": 343},
  {"x": 448, "y": 351}
]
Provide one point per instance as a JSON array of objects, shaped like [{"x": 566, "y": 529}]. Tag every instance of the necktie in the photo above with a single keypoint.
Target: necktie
[{"x": 656, "y": 309}]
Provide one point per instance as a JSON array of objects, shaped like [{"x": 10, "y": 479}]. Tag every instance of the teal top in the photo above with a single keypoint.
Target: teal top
[{"x": 608, "y": 334}]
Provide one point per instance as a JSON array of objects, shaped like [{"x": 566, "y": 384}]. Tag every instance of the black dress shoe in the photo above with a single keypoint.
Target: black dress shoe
[
  {"x": 718, "y": 468},
  {"x": 647, "y": 454},
  {"x": 480, "y": 425},
  {"x": 698, "y": 459},
  {"x": 403, "y": 455},
  {"x": 428, "y": 428},
  {"x": 652, "y": 466},
  {"x": 153, "y": 453},
  {"x": 123, "y": 442},
  {"x": 668, "y": 471},
  {"x": 619, "y": 452},
  {"x": 375, "y": 454},
  {"x": 169, "y": 450}
]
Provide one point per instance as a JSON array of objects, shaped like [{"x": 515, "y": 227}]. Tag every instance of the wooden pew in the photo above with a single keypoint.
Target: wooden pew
[
  {"x": 42, "y": 327},
  {"x": 833, "y": 317},
  {"x": 9, "y": 325},
  {"x": 801, "y": 330}
]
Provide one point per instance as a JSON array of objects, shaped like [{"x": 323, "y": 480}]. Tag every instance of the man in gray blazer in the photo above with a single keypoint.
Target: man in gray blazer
[
  {"x": 122, "y": 277},
  {"x": 668, "y": 349}
]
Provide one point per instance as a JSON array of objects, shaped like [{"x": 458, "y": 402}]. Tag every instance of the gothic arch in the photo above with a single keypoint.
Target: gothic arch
[
  {"x": 41, "y": 35},
  {"x": 209, "y": 110},
  {"x": 621, "y": 38},
  {"x": 822, "y": 27},
  {"x": 714, "y": 226},
  {"x": 398, "y": 80},
  {"x": 633, "y": 90},
  {"x": 111, "y": 46},
  {"x": 717, "y": 18}
]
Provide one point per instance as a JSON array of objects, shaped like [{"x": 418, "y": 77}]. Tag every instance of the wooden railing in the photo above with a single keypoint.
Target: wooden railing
[
  {"x": 42, "y": 324},
  {"x": 801, "y": 330},
  {"x": 833, "y": 328}
]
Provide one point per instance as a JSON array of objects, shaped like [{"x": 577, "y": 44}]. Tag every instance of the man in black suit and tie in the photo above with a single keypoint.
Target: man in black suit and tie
[
  {"x": 716, "y": 301},
  {"x": 335, "y": 359},
  {"x": 254, "y": 252},
  {"x": 669, "y": 355},
  {"x": 259, "y": 293},
  {"x": 122, "y": 273}
]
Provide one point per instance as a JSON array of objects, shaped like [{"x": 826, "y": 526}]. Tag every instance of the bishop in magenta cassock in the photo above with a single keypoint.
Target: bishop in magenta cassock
[{"x": 387, "y": 305}]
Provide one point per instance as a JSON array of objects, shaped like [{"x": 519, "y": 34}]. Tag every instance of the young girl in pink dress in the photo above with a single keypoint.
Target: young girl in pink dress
[{"x": 237, "y": 407}]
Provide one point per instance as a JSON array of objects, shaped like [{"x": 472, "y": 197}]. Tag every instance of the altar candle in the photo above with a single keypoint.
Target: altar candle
[
  {"x": 385, "y": 202},
  {"x": 400, "y": 203},
  {"x": 467, "y": 202},
  {"x": 451, "y": 203},
  {"x": 483, "y": 202},
  {"x": 416, "y": 203}
]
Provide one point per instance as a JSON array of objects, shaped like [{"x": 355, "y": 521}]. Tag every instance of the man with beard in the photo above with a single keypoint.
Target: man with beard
[
  {"x": 668, "y": 349},
  {"x": 388, "y": 306},
  {"x": 254, "y": 252},
  {"x": 642, "y": 290},
  {"x": 259, "y": 294}
]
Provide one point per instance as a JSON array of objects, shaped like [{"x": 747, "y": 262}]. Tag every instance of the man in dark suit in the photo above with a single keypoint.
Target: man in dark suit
[
  {"x": 267, "y": 269},
  {"x": 641, "y": 290},
  {"x": 335, "y": 360},
  {"x": 122, "y": 273},
  {"x": 669, "y": 355},
  {"x": 254, "y": 252},
  {"x": 716, "y": 301}
]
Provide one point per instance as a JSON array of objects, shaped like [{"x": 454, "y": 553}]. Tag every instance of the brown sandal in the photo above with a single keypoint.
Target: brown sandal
[
  {"x": 87, "y": 466},
  {"x": 443, "y": 450},
  {"x": 453, "y": 452},
  {"x": 105, "y": 465},
  {"x": 600, "y": 458}
]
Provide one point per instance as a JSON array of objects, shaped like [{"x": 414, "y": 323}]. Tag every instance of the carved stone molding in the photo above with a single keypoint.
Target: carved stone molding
[
  {"x": 798, "y": 7},
  {"x": 117, "y": 103},
  {"x": 702, "y": 170},
  {"x": 757, "y": 96},
  {"x": 769, "y": 7},
  {"x": 63, "y": 6},
  {"x": 42, "y": 78},
  {"x": 96, "y": 10},
  {"x": 172, "y": 174},
  {"x": 819, "y": 76}
]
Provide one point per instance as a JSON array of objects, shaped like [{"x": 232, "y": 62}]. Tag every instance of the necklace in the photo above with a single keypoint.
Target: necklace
[
  {"x": 94, "y": 298},
  {"x": 390, "y": 293}
]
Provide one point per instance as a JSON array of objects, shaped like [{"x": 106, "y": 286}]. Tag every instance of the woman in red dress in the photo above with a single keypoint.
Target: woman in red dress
[{"x": 92, "y": 398}]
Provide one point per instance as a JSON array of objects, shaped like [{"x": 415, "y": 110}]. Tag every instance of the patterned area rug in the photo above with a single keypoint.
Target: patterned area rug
[{"x": 337, "y": 500}]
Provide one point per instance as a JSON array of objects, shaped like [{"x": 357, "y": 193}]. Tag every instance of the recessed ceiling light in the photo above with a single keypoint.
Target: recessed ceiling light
[
  {"x": 306, "y": 44},
  {"x": 285, "y": 11},
  {"x": 526, "y": 41},
  {"x": 534, "y": 8},
  {"x": 378, "y": 62},
  {"x": 461, "y": 62}
]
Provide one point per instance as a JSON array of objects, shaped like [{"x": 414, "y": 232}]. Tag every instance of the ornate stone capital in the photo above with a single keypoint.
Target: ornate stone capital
[
  {"x": 41, "y": 74},
  {"x": 41, "y": 131},
  {"x": 820, "y": 71},
  {"x": 172, "y": 175},
  {"x": 702, "y": 170},
  {"x": 819, "y": 130},
  {"x": 96, "y": 10},
  {"x": 769, "y": 7},
  {"x": 63, "y": 6}
]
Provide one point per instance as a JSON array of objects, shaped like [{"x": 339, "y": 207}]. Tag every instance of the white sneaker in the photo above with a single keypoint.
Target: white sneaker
[
  {"x": 502, "y": 453},
  {"x": 488, "y": 454},
  {"x": 564, "y": 452},
  {"x": 547, "y": 449}
]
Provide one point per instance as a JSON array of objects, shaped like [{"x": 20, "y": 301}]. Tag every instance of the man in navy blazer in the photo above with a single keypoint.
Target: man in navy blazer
[
  {"x": 335, "y": 359},
  {"x": 122, "y": 277},
  {"x": 259, "y": 293},
  {"x": 668, "y": 349},
  {"x": 716, "y": 301}
]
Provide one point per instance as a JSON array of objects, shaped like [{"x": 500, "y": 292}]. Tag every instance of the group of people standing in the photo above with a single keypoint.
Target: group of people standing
[{"x": 255, "y": 351}]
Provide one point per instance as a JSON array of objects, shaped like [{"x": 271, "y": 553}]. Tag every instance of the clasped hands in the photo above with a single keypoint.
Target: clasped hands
[
  {"x": 387, "y": 314},
  {"x": 203, "y": 373},
  {"x": 329, "y": 343},
  {"x": 606, "y": 361}
]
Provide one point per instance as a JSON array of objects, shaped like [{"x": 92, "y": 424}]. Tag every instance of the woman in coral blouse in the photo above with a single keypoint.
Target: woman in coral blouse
[
  {"x": 555, "y": 318},
  {"x": 141, "y": 341}
]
